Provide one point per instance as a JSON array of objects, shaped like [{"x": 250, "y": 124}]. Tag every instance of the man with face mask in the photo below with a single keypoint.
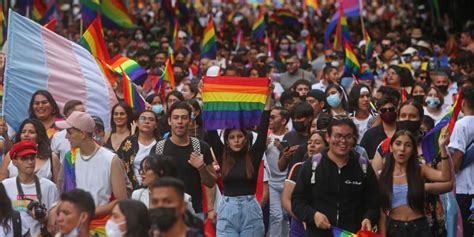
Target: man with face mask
[
  {"x": 294, "y": 73},
  {"x": 75, "y": 213},
  {"x": 442, "y": 81},
  {"x": 167, "y": 209},
  {"x": 302, "y": 115}
]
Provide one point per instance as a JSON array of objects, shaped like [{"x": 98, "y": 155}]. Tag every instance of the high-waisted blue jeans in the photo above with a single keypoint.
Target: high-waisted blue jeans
[{"x": 240, "y": 216}]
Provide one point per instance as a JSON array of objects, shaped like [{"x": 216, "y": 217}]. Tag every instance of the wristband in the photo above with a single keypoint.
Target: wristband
[
  {"x": 444, "y": 158},
  {"x": 202, "y": 166}
]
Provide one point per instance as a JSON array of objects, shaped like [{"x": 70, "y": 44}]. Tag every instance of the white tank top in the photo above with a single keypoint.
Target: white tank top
[
  {"x": 93, "y": 175},
  {"x": 44, "y": 172}
]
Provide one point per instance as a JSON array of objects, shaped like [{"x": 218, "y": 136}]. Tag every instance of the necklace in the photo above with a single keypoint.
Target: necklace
[
  {"x": 399, "y": 176},
  {"x": 88, "y": 158}
]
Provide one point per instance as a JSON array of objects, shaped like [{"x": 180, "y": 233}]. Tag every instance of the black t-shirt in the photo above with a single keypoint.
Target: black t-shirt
[
  {"x": 294, "y": 138},
  {"x": 186, "y": 172},
  {"x": 372, "y": 138}
]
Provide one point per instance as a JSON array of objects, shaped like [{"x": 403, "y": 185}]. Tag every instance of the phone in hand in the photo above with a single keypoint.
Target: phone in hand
[{"x": 284, "y": 145}]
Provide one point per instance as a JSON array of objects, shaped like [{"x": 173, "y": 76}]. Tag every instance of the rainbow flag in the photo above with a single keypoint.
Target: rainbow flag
[
  {"x": 175, "y": 40},
  {"x": 168, "y": 76},
  {"x": 240, "y": 40},
  {"x": 309, "y": 48},
  {"x": 258, "y": 28},
  {"x": 350, "y": 8},
  {"x": 113, "y": 12},
  {"x": 38, "y": 10},
  {"x": 93, "y": 40},
  {"x": 131, "y": 95},
  {"x": 208, "y": 46},
  {"x": 51, "y": 25},
  {"x": 338, "y": 232},
  {"x": 133, "y": 70},
  {"x": 429, "y": 142},
  {"x": 310, "y": 5},
  {"x": 69, "y": 182},
  {"x": 233, "y": 102},
  {"x": 342, "y": 31},
  {"x": 369, "y": 47},
  {"x": 171, "y": 54},
  {"x": 284, "y": 17},
  {"x": 351, "y": 62},
  {"x": 3, "y": 26}
]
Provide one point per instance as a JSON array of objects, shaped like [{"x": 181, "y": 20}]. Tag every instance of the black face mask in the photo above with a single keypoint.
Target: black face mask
[
  {"x": 412, "y": 126},
  {"x": 419, "y": 98},
  {"x": 299, "y": 126},
  {"x": 163, "y": 217},
  {"x": 443, "y": 88}
]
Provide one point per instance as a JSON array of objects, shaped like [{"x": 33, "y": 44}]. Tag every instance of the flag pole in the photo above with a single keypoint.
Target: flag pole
[
  {"x": 81, "y": 26},
  {"x": 362, "y": 19}
]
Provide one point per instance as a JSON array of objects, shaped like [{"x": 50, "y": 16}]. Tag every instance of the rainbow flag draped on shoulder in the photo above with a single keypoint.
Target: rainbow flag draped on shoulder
[
  {"x": 429, "y": 142},
  {"x": 233, "y": 102}
]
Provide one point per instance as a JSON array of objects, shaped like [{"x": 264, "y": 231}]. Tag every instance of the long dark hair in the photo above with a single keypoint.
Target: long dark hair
[
  {"x": 416, "y": 190},
  {"x": 355, "y": 95},
  {"x": 55, "y": 113},
  {"x": 156, "y": 132},
  {"x": 134, "y": 212},
  {"x": 161, "y": 165},
  {"x": 341, "y": 93},
  {"x": 228, "y": 162},
  {"x": 44, "y": 145},
  {"x": 5, "y": 209},
  {"x": 128, "y": 111}
]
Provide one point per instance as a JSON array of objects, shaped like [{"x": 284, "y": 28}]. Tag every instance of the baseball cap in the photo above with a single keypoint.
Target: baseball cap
[
  {"x": 23, "y": 148},
  {"x": 79, "y": 120},
  {"x": 98, "y": 121}
]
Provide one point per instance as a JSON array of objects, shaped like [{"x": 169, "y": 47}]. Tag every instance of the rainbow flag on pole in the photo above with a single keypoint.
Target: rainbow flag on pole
[
  {"x": 168, "y": 76},
  {"x": 112, "y": 12},
  {"x": 175, "y": 43},
  {"x": 208, "y": 46},
  {"x": 133, "y": 70},
  {"x": 131, "y": 95},
  {"x": 369, "y": 46},
  {"x": 351, "y": 62},
  {"x": 39, "y": 9},
  {"x": 3, "y": 26},
  {"x": 258, "y": 28},
  {"x": 233, "y": 102},
  {"x": 429, "y": 142},
  {"x": 350, "y": 8},
  {"x": 342, "y": 31}
]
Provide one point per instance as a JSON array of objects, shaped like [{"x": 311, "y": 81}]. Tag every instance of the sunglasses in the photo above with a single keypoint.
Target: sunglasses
[{"x": 390, "y": 109}]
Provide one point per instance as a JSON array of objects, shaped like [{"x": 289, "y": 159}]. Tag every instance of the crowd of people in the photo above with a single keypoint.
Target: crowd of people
[{"x": 332, "y": 150}]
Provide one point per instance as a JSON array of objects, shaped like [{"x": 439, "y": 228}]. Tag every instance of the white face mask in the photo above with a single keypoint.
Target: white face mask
[{"x": 112, "y": 229}]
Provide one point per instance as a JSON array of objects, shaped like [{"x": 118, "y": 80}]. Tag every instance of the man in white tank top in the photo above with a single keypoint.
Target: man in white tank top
[{"x": 97, "y": 169}]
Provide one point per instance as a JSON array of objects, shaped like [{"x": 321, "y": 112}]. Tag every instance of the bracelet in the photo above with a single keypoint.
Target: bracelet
[
  {"x": 444, "y": 158},
  {"x": 202, "y": 166},
  {"x": 210, "y": 210}
]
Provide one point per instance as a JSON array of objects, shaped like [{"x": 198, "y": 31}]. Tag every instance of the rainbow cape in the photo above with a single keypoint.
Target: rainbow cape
[
  {"x": 233, "y": 102},
  {"x": 69, "y": 170},
  {"x": 258, "y": 28},
  {"x": 133, "y": 70},
  {"x": 131, "y": 95},
  {"x": 429, "y": 142},
  {"x": 208, "y": 46}
]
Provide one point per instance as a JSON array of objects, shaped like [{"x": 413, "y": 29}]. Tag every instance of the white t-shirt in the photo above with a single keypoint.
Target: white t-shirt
[
  {"x": 10, "y": 232},
  {"x": 142, "y": 152},
  {"x": 60, "y": 145},
  {"x": 319, "y": 86},
  {"x": 277, "y": 177},
  {"x": 438, "y": 117},
  {"x": 362, "y": 126},
  {"x": 463, "y": 135},
  {"x": 93, "y": 175},
  {"x": 50, "y": 196}
]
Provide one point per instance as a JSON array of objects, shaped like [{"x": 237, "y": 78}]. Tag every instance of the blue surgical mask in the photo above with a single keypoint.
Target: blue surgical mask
[
  {"x": 157, "y": 109},
  {"x": 334, "y": 100},
  {"x": 415, "y": 65},
  {"x": 432, "y": 102}
]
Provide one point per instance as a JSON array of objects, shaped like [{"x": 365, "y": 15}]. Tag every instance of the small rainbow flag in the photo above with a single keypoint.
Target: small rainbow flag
[
  {"x": 369, "y": 46},
  {"x": 240, "y": 40},
  {"x": 351, "y": 62},
  {"x": 3, "y": 26},
  {"x": 133, "y": 70},
  {"x": 350, "y": 8},
  {"x": 39, "y": 9},
  {"x": 208, "y": 46},
  {"x": 131, "y": 95},
  {"x": 168, "y": 76},
  {"x": 309, "y": 48},
  {"x": 286, "y": 17},
  {"x": 258, "y": 28},
  {"x": 233, "y": 102},
  {"x": 429, "y": 142},
  {"x": 310, "y": 5},
  {"x": 171, "y": 54},
  {"x": 338, "y": 232}
]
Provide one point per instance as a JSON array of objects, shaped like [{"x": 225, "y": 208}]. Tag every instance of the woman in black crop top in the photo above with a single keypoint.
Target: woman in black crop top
[
  {"x": 239, "y": 213},
  {"x": 402, "y": 186}
]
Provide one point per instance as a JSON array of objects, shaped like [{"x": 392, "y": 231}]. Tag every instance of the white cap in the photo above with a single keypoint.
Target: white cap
[
  {"x": 361, "y": 43},
  {"x": 182, "y": 34},
  {"x": 423, "y": 44},
  {"x": 410, "y": 51},
  {"x": 213, "y": 71}
]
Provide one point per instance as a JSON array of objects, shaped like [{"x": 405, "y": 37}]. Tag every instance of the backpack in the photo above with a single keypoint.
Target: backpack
[
  {"x": 160, "y": 146},
  {"x": 316, "y": 160}
]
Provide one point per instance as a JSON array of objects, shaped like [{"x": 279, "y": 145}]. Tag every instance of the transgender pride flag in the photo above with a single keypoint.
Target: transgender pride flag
[{"x": 38, "y": 58}]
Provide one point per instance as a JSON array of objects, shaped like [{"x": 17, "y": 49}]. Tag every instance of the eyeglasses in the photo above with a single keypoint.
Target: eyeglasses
[
  {"x": 389, "y": 109},
  {"x": 339, "y": 137},
  {"x": 144, "y": 119}
]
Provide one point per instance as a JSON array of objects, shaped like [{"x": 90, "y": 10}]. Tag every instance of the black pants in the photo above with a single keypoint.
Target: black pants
[
  {"x": 464, "y": 202},
  {"x": 415, "y": 228}
]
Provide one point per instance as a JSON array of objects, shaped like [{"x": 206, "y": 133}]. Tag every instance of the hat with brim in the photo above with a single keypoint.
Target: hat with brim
[
  {"x": 23, "y": 148},
  {"x": 78, "y": 120}
]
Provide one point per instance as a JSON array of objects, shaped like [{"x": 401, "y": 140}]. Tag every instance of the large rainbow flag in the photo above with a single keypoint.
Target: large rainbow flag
[
  {"x": 37, "y": 59},
  {"x": 350, "y": 8},
  {"x": 233, "y": 102},
  {"x": 429, "y": 142},
  {"x": 208, "y": 46}
]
